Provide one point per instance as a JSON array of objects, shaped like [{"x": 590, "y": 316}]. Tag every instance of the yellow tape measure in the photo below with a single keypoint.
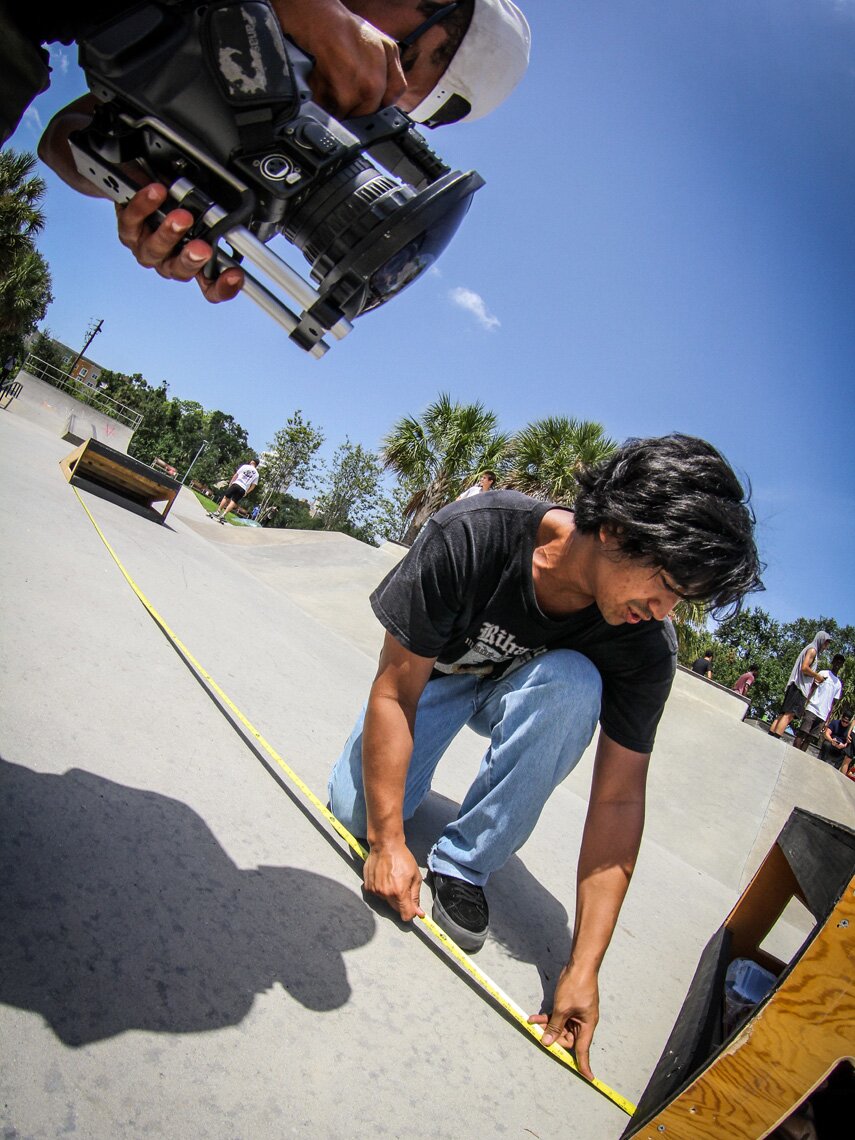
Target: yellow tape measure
[{"x": 426, "y": 924}]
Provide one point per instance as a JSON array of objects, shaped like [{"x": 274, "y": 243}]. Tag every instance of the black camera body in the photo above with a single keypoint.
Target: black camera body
[{"x": 212, "y": 100}]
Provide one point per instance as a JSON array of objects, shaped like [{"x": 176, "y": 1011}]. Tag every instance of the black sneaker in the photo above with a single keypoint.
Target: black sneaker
[{"x": 460, "y": 908}]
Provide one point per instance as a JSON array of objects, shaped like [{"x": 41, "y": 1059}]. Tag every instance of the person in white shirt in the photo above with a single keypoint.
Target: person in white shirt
[
  {"x": 486, "y": 482},
  {"x": 242, "y": 484},
  {"x": 820, "y": 704}
]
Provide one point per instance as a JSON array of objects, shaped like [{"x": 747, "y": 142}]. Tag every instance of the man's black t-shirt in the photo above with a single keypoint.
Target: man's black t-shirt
[
  {"x": 702, "y": 666},
  {"x": 464, "y": 594}
]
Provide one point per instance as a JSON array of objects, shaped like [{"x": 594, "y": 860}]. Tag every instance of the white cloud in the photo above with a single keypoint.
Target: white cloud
[
  {"x": 60, "y": 59},
  {"x": 32, "y": 119},
  {"x": 474, "y": 303}
]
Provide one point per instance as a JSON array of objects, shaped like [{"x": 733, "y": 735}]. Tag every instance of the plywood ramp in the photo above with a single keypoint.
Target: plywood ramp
[
  {"x": 752, "y": 1081},
  {"x": 129, "y": 478}
]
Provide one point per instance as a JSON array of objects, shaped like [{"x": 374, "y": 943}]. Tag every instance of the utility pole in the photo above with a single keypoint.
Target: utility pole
[{"x": 93, "y": 332}]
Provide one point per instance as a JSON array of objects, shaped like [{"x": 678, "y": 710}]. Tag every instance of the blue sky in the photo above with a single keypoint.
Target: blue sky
[{"x": 666, "y": 241}]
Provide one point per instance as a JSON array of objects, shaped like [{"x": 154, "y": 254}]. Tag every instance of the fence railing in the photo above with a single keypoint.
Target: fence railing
[{"x": 43, "y": 370}]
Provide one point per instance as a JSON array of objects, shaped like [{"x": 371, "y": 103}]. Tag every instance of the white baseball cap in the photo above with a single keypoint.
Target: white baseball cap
[{"x": 487, "y": 66}]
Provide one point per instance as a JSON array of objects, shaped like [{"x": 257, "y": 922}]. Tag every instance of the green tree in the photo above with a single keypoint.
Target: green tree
[
  {"x": 350, "y": 497},
  {"x": 438, "y": 453},
  {"x": 690, "y": 626},
  {"x": 391, "y": 520},
  {"x": 228, "y": 447},
  {"x": 25, "y": 283},
  {"x": 289, "y": 458},
  {"x": 545, "y": 456},
  {"x": 48, "y": 352}
]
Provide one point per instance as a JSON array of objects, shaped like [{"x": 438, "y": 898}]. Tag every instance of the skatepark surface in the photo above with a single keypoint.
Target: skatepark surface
[{"x": 186, "y": 952}]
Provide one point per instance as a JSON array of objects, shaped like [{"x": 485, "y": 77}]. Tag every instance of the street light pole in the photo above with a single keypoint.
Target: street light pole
[{"x": 202, "y": 447}]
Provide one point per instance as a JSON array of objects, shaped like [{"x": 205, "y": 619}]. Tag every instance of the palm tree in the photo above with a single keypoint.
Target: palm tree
[
  {"x": 24, "y": 276},
  {"x": 546, "y": 454},
  {"x": 690, "y": 626},
  {"x": 438, "y": 453}
]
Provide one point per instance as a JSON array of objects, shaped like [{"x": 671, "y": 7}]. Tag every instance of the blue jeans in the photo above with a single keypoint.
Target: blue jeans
[{"x": 539, "y": 720}]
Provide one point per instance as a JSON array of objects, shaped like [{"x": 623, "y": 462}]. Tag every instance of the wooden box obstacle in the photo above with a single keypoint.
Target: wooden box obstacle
[
  {"x": 706, "y": 1085},
  {"x": 120, "y": 473}
]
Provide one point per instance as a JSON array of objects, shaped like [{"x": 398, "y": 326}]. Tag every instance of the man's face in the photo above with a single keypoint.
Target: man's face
[
  {"x": 486, "y": 482},
  {"x": 630, "y": 591}
]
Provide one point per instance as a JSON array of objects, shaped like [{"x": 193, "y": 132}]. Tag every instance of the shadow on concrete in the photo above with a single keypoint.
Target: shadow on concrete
[
  {"x": 110, "y": 495},
  {"x": 525, "y": 918},
  {"x": 120, "y": 910}
]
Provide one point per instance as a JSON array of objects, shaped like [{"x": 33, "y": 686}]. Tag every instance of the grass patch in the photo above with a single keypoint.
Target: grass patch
[{"x": 210, "y": 505}]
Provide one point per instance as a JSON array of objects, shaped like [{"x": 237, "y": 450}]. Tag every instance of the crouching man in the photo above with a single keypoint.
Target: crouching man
[{"x": 530, "y": 622}]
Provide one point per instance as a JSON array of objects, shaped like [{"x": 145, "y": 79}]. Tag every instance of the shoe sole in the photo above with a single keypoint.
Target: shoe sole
[{"x": 469, "y": 940}]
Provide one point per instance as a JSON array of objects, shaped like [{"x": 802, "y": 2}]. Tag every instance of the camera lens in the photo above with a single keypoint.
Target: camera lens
[{"x": 367, "y": 236}]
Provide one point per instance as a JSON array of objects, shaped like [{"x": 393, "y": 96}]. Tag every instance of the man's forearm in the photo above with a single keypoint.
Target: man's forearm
[
  {"x": 387, "y": 745},
  {"x": 607, "y": 858}
]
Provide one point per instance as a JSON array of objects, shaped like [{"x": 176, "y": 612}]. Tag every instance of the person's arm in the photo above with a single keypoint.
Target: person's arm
[
  {"x": 387, "y": 744},
  {"x": 610, "y": 844},
  {"x": 807, "y": 669},
  {"x": 357, "y": 68}
]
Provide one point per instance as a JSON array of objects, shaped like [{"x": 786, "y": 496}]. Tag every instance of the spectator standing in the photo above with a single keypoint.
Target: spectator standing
[
  {"x": 799, "y": 684},
  {"x": 744, "y": 683},
  {"x": 820, "y": 703},
  {"x": 242, "y": 484},
  {"x": 486, "y": 482},
  {"x": 703, "y": 665}
]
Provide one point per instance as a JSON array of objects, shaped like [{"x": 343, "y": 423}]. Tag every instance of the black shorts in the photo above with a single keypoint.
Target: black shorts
[
  {"x": 794, "y": 700},
  {"x": 235, "y": 492},
  {"x": 811, "y": 724}
]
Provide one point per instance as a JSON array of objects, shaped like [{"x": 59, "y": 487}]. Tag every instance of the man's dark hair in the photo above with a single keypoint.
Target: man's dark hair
[
  {"x": 753, "y": 669},
  {"x": 837, "y": 659},
  {"x": 489, "y": 474},
  {"x": 675, "y": 502},
  {"x": 708, "y": 653}
]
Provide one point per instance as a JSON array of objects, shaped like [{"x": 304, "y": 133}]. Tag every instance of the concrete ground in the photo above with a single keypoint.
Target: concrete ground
[{"x": 184, "y": 952}]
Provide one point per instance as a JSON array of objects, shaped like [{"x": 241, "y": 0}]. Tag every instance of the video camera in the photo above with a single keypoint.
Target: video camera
[{"x": 212, "y": 100}]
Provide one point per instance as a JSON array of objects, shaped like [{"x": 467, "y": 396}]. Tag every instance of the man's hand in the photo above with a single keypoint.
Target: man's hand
[
  {"x": 155, "y": 249},
  {"x": 574, "y": 1017},
  {"x": 357, "y": 68},
  {"x": 392, "y": 873}
]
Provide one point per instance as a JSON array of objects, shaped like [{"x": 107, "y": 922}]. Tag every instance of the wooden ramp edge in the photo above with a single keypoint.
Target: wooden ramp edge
[
  {"x": 709, "y": 1085},
  {"x": 122, "y": 474}
]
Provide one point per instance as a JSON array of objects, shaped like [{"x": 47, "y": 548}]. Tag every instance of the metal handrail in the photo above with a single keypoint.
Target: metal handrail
[{"x": 43, "y": 370}]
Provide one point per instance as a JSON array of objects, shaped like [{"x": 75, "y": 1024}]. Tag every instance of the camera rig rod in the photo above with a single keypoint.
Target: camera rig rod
[
  {"x": 247, "y": 245},
  {"x": 111, "y": 179}
]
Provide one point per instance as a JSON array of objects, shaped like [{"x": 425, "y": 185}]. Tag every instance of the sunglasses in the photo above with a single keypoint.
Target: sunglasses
[{"x": 430, "y": 22}]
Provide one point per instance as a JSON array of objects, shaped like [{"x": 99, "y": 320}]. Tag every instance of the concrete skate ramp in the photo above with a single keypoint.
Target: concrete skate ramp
[
  {"x": 329, "y": 575},
  {"x": 61, "y": 414},
  {"x": 172, "y": 922}
]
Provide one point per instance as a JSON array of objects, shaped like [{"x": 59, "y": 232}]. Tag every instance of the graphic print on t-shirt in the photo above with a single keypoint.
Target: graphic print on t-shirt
[{"x": 492, "y": 645}]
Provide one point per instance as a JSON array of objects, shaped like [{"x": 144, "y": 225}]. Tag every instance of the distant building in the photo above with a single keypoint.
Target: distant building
[{"x": 87, "y": 371}]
